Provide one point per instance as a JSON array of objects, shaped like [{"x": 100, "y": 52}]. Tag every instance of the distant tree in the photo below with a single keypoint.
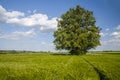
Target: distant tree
[{"x": 77, "y": 31}]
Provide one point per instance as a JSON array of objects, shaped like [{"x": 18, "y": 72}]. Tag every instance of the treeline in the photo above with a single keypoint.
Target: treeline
[
  {"x": 110, "y": 51},
  {"x": 19, "y": 52},
  {"x": 48, "y": 52}
]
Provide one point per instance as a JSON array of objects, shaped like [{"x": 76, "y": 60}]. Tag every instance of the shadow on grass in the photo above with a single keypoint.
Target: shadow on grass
[{"x": 60, "y": 54}]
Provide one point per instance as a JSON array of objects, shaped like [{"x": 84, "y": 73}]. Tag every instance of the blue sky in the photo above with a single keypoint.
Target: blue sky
[{"x": 29, "y": 24}]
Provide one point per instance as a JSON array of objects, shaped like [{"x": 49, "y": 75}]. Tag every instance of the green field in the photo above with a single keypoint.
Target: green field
[{"x": 95, "y": 66}]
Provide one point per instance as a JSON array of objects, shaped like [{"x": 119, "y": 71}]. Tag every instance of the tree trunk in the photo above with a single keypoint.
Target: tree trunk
[{"x": 77, "y": 52}]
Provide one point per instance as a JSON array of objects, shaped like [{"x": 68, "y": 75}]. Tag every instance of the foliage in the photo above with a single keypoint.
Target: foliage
[{"x": 77, "y": 31}]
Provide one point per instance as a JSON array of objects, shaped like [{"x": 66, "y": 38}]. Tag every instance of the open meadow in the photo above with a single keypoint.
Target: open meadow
[{"x": 35, "y": 66}]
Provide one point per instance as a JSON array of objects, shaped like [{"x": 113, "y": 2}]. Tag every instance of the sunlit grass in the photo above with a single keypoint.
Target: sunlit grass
[{"x": 57, "y": 67}]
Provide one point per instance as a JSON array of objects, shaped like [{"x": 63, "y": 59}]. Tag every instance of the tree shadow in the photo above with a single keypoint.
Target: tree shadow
[{"x": 60, "y": 54}]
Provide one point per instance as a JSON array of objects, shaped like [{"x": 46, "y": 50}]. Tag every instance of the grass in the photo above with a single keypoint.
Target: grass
[
  {"x": 59, "y": 67},
  {"x": 108, "y": 64}
]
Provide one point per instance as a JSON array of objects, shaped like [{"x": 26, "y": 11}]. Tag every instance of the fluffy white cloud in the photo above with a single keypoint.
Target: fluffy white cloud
[
  {"x": 6, "y": 15},
  {"x": 113, "y": 42},
  {"x": 35, "y": 20},
  {"x": 116, "y": 34},
  {"x": 19, "y": 35},
  {"x": 13, "y": 14}
]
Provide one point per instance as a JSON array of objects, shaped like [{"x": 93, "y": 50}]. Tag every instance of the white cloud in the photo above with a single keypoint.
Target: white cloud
[
  {"x": 35, "y": 20},
  {"x": 6, "y": 15},
  {"x": 110, "y": 44},
  {"x": 118, "y": 27},
  {"x": 47, "y": 44},
  {"x": 2, "y": 9},
  {"x": 13, "y": 14},
  {"x": 103, "y": 34},
  {"x": 19, "y": 35},
  {"x": 116, "y": 34},
  {"x": 113, "y": 43}
]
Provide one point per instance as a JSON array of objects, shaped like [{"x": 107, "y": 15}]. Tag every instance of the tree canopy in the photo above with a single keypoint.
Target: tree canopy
[{"x": 77, "y": 31}]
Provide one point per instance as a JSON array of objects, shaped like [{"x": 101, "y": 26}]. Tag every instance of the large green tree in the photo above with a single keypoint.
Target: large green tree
[{"x": 77, "y": 31}]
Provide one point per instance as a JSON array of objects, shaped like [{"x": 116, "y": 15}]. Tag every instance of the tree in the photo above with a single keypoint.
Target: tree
[{"x": 77, "y": 31}]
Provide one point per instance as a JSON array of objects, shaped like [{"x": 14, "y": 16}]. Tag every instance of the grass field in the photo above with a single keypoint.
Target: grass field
[{"x": 97, "y": 66}]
